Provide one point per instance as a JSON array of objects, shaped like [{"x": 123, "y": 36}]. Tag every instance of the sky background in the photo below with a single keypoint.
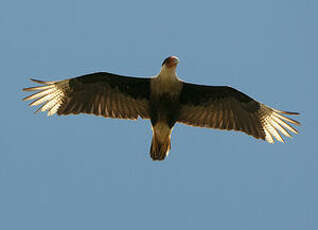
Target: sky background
[{"x": 87, "y": 172}]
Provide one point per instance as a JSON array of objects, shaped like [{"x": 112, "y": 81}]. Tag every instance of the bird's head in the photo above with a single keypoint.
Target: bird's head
[{"x": 170, "y": 63}]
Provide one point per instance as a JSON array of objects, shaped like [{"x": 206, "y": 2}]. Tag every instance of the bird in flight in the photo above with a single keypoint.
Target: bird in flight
[{"x": 165, "y": 100}]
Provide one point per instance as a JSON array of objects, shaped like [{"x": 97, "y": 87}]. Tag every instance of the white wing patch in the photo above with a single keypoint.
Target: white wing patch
[
  {"x": 51, "y": 95},
  {"x": 274, "y": 123}
]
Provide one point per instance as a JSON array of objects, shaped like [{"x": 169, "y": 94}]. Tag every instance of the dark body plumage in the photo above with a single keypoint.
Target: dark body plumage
[
  {"x": 164, "y": 108},
  {"x": 165, "y": 100}
]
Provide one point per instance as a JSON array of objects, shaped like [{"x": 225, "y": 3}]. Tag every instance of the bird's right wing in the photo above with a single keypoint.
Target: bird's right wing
[
  {"x": 103, "y": 94},
  {"x": 223, "y": 107}
]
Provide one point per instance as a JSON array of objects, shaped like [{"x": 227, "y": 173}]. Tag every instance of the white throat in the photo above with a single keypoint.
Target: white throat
[
  {"x": 166, "y": 81},
  {"x": 167, "y": 74}
]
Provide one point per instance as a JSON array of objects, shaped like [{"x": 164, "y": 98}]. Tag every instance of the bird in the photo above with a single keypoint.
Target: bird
[{"x": 165, "y": 100}]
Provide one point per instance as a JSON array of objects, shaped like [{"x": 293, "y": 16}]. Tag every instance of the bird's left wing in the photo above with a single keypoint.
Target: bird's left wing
[
  {"x": 226, "y": 108},
  {"x": 104, "y": 94}
]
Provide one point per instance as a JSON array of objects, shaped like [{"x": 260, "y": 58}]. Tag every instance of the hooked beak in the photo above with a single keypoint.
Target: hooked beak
[{"x": 173, "y": 61}]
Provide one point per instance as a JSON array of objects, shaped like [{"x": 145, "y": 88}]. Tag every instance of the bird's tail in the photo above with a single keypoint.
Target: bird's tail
[{"x": 160, "y": 144}]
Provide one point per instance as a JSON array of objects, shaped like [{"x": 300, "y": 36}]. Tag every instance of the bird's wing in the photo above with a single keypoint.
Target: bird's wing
[
  {"x": 104, "y": 94},
  {"x": 226, "y": 108}
]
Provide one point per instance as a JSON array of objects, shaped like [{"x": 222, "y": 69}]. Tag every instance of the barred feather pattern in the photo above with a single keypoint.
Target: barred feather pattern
[
  {"x": 228, "y": 114},
  {"x": 108, "y": 96},
  {"x": 275, "y": 123},
  {"x": 50, "y": 95}
]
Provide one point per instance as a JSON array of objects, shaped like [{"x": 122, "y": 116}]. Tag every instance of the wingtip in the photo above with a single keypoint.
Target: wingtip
[
  {"x": 25, "y": 98},
  {"x": 37, "y": 81},
  {"x": 42, "y": 82},
  {"x": 31, "y": 88},
  {"x": 287, "y": 112},
  {"x": 280, "y": 112},
  {"x": 291, "y": 113}
]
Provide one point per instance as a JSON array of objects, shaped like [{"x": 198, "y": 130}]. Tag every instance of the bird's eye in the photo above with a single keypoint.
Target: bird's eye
[{"x": 166, "y": 61}]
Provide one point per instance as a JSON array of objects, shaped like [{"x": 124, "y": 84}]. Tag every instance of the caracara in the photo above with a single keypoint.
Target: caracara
[{"x": 165, "y": 100}]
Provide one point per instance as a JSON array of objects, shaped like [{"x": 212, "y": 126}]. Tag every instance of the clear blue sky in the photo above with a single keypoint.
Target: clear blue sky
[{"x": 87, "y": 172}]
